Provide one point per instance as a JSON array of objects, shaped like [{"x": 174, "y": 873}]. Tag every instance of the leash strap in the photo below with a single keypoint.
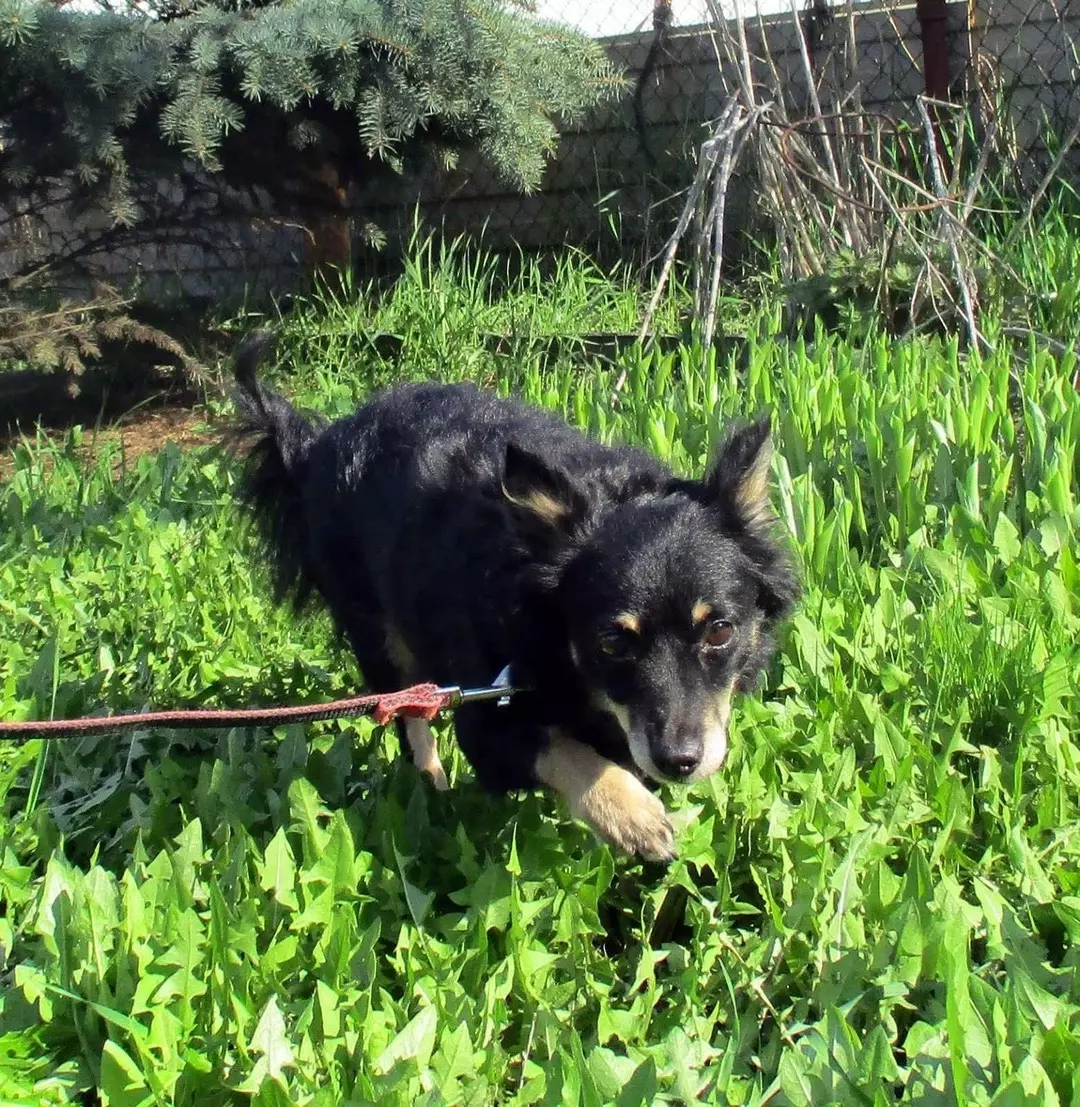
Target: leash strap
[{"x": 421, "y": 701}]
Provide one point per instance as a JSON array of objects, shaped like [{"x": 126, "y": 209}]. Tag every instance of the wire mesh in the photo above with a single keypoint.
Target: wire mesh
[
  {"x": 1013, "y": 64},
  {"x": 1021, "y": 73}
]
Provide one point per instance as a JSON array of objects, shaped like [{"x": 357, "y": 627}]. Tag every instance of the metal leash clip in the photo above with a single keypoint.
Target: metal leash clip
[{"x": 500, "y": 690}]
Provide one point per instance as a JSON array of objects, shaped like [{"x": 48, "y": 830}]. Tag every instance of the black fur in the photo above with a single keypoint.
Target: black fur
[
  {"x": 274, "y": 473},
  {"x": 479, "y": 532}
]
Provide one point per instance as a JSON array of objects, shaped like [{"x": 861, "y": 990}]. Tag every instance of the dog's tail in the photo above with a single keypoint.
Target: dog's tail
[{"x": 274, "y": 471}]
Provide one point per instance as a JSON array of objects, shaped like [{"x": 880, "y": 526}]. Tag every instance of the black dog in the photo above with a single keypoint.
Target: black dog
[{"x": 451, "y": 532}]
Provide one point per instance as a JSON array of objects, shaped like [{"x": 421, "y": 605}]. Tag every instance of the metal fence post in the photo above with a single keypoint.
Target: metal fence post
[{"x": 933, "y": 23}]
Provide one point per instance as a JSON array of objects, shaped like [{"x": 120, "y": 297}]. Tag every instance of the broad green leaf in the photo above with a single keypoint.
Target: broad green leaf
[
  {"x": 279, "y": 871},
  {"x": 876, "y": 1060},
  {"x": 1006, "y": 539},
  {"x": 336, "y": 865},
  {"x": 271, "y": 1042},
  {"x": 307, "y": 809},
  {"x": 418, "y": 901},
  {"x": 122, "y": 1081},
  {"x": 414, "y": 1042},
  {"x": 611, "y": 1073},
  {"x": 454, "y": 1057}
]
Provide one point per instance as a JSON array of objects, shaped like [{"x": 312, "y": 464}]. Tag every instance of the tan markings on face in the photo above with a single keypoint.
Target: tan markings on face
[
  {"x": 755, "y": 634},
  {"x": 545, "y": 507},
  {"x": 752, "y": 493},
  {"x": 629, "y": 622},
  {"x": 399, "y": 652},
  {"x": 425, "y": 752},
  {"x": 716, "y": 734},
  {"x": 611, "y": 800},
  {"x": 616, "y": 710},
  {"x": 635, "y": 740},
  {"x": 714, "y": 741},
  {"x": 700, "y": 612}
]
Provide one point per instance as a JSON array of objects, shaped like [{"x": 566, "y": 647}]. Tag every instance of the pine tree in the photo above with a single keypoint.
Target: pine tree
[{"x": 302, "y": 99}]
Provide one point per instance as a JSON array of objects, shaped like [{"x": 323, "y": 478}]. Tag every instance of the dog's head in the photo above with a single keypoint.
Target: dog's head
[{"x": 668, "y": 597}]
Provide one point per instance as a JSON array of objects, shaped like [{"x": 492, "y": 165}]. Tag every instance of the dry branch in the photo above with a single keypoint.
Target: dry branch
[{"x": 859, "y": 202}]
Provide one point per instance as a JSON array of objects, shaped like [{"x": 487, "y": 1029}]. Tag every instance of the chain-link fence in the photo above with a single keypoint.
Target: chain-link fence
[
  {"x": 1020, "y": 70},
  {"x": 1011, "y": 64}
]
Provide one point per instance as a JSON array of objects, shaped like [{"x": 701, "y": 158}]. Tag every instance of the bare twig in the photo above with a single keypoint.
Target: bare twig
[
  {"x": 948, "y": 222},
  {"x": 730, "y": 118},
  {"x": 830, "y": 158},
  {"x": 714, "y": 222},
  {"x": 716, "y": 163}
]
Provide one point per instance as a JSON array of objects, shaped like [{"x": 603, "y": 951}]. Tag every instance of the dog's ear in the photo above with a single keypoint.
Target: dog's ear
[
  {"x": 739, "y": 480},
  {"x": 544, "y": 501}
]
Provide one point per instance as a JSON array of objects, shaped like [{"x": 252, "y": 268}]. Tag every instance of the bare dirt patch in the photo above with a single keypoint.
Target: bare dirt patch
[
  {"x": 129, "y": 417},
  {"x": 134, "y": 435}
]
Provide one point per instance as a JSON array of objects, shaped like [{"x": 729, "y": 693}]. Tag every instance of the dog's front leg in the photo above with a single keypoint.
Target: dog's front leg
[
  {"x": 611, "y": 800},
  {"x": 425, "y": 753}
]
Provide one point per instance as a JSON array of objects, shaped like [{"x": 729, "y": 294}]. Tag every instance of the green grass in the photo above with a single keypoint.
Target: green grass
[
  {"x": 450, "y": 295},
  {"x": 877, "y": 901}
]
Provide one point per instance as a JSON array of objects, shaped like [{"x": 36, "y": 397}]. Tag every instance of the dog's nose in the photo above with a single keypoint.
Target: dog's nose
[{"x": 677, "y": 764}]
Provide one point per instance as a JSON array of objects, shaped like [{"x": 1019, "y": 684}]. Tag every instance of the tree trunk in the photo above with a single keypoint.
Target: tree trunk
[{"x": 328, "y": 241}]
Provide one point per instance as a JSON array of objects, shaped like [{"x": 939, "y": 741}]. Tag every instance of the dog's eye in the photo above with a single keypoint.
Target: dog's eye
[
  {"x": 718, "y": 634},
  {"x": 616, "y": 645}
]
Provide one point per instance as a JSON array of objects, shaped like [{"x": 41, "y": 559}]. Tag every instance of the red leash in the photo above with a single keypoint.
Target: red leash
[{"x": 421, "y": 701}]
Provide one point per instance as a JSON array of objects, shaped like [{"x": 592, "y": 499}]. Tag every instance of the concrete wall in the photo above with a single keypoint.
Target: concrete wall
[{"x": 205, "y": 254}]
